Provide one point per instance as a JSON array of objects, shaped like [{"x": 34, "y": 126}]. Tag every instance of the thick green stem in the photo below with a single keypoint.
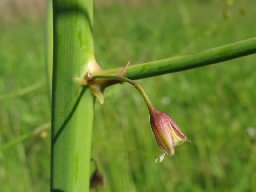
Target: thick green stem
[
  {"x": 181, "y": 63},
  {"x": 124, "y": 79},
  {"x": 72, "y": 107}
]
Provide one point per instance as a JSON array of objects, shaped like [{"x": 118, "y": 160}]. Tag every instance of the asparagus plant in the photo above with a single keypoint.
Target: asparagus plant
[{"x": 72, "y": 102}]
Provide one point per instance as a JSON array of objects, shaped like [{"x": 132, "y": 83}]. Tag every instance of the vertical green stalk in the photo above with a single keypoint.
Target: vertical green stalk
[
  {"x": 72, "y": 107},
  {"x": 49, "y": 48}
]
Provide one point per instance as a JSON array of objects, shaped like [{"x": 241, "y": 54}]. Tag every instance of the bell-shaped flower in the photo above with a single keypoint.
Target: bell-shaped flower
[{"x": 166, "y": 132}]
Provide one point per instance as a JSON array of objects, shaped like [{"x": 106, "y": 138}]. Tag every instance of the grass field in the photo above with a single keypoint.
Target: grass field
[{"x": 214, "y": 106}]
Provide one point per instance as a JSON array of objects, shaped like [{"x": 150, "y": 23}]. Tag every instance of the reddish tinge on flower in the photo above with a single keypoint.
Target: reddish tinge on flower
[{"x": 166, "y": 132}]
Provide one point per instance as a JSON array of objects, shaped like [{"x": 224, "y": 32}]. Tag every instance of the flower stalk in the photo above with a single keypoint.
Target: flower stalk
[{"x": 111, "y": 79}]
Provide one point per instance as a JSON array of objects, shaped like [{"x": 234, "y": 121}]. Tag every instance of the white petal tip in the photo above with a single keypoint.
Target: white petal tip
[{"x": 160, "y": 158}]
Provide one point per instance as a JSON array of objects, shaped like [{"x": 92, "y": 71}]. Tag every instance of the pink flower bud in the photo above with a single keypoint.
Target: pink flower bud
[{"x": 166, "y": 132}]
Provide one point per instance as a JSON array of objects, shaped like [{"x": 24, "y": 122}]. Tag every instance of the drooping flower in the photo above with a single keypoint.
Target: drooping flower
[{"x": 166, "y": 132}]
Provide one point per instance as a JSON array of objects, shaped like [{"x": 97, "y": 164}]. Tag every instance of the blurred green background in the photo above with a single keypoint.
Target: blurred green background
[{"x": 214, "y": 106}]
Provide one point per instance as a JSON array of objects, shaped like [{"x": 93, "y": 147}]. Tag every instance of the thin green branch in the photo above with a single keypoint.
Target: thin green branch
[
  {"x": 23, "y": 91},
  {"x": 181, "y": 63},
  {"x": 38, "y": 131}
]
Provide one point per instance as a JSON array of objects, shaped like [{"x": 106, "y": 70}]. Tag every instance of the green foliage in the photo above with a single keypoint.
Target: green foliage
[
  {"x": 24, "y": 167},
  {"x": 213, "y": 106}
]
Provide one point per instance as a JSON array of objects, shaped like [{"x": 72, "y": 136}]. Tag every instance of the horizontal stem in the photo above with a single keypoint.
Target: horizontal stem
[{"x": 181, "y": 63}]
